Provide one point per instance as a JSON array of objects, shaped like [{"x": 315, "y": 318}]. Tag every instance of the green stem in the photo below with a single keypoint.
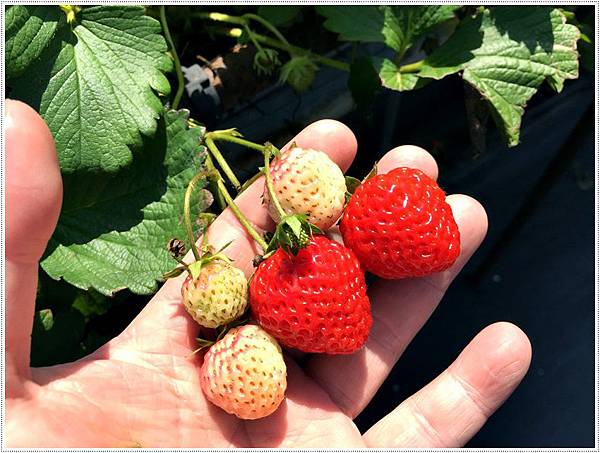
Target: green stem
[
  {"x": 180, "y": 81},
  {"x": 239, "y": 215},
  {"x": 292, "y": 50},
  {"x": 210, "y": 167},
  {"x": 180, "y": 261},
  {"x": 187, "y": 217},
  {"x": 268, "y": 25},
  {"x": 210, "y": 144},
  {"x": 250, "y": 181},
  {"x": 253, "y": 39},
  {"x": 270, "y": 189},
  {"x": 226, "y": 137},
  {"x": 412, "y": 67}
]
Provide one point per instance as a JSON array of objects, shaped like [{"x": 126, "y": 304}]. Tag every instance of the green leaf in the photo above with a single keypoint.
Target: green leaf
[
  {"x": 506, "y": 53},
  {"x": 113, "y": 231},
  {"x": 281, "y": 15},
  {"x": 95, "y": 84},
  {"x": 29, "y": 30},
  {"x": 46, "y": 319},
  {"x": 393, "y": 77},
  {"x": 355, "y": 23},
  {"x": 397, "y": 26}
]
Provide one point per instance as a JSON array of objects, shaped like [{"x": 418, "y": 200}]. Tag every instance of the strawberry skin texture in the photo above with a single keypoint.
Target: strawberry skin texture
[
  {"x": 307, "y": 181},
  {"x": 244, "y": 373},
  {"x": 315, "y": 301},
  {"x": 217, "y": 296},
  {"x": 399, "y": 225}
]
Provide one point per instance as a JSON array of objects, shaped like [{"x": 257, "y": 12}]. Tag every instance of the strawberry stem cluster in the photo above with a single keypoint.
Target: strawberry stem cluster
[{"x": 308, "y": 292}]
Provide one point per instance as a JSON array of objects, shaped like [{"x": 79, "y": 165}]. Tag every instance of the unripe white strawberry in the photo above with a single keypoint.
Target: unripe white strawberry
[
  {"x": 217, "y": 295},
  {"x": 307, "y": 181},
  {"x": 244, "y": 373}
]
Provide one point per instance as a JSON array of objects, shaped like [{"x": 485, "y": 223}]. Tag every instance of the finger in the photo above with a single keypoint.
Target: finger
[
  {"x": 408, "y": 156},
  {"x": 33, "y": 200},
  {"x": 330, "y": 136},
  {"x": 451, "y": 409},
  {"x": 399, "y": 307}
]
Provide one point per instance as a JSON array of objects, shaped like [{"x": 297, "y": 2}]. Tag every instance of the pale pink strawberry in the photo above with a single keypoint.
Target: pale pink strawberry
[
  {"x": 307, "y": 181},
  {"x": 244, "y": 373}
]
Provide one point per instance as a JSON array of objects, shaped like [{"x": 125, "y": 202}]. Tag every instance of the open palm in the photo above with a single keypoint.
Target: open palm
[{"x": 142, "y": 388}]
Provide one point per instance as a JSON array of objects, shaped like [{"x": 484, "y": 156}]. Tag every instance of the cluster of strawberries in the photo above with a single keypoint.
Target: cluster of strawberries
[{"x": 308, "y": 292}]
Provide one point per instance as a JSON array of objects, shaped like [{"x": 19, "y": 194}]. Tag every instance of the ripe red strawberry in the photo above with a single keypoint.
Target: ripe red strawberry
[
  {"x": 244, "y": 373},
  {"x": 399, "y": 225},
  {"x": 315, "y": 301}
]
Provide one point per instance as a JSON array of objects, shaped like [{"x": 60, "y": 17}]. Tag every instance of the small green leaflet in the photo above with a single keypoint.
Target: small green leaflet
[
  {"x": 397, "y": 26},
  {"x": 94, "y": 81},
  {"x": 113, "y": 231},
  {"x": 29, "y": 30},
  {"x": 45, "y": 318},
  {"x": 506, "y": 53}
]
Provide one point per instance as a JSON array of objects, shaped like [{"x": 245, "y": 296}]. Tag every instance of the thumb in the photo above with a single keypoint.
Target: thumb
[{"x": 33, "y": 200}]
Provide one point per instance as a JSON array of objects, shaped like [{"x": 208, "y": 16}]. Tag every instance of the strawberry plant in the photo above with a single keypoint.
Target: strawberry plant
[
  {"x": 504, "y": 53},
  {"x": 138, "y": 171}
]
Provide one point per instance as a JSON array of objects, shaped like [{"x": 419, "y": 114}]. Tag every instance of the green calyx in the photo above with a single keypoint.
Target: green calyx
[
  {"x": 351, "y": 185},
  {"x": 265, "y": 61},
  {"x": 195, "y": 268},
  {"x": 292, "y": 233}
]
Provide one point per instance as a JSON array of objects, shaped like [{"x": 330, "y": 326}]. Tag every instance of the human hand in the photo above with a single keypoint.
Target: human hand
[{"x": 143, "y": 389}]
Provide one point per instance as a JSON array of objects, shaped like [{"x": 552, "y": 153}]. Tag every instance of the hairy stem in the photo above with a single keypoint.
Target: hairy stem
[
  {"x": 210, "y": 144},
  {"x": 269, "y": 182},
  {"x": 227, "y": 137},
  {"x": 239, "y": 215},
  {"x": 210, "y": 168},
  {"x": 253, "y": 39},
  {"x": 250, "y": 181},
  {"x": 180, "y": 81},
  {"x": 268, "y": 25},
  {"x": 289, "y": 48},
  {"x": 187, "y": 217}
]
